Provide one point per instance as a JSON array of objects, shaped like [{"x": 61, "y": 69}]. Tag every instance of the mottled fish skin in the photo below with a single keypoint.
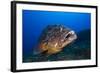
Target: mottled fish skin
[{"x": 54, "y": 38}]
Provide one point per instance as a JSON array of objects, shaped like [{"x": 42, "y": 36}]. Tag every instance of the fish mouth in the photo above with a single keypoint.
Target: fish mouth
[{"x": 70, "y": 36}]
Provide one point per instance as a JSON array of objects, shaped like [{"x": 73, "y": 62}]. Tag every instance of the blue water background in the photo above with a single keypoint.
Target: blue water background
[{"x": 35, "y": 21}]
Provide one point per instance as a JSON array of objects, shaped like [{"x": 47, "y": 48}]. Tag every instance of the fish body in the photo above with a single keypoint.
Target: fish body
[{"x": 54, "y": 37}]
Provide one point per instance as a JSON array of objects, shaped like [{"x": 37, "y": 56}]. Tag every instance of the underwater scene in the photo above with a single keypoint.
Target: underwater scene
[{"x": 55, "y": 36}]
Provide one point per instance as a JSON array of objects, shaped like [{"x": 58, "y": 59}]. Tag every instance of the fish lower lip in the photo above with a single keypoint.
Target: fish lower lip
[{"x": 70, "y": 39}]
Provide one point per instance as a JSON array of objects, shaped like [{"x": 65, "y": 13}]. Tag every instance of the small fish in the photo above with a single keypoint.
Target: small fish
[{"x": 54, "y": 38}]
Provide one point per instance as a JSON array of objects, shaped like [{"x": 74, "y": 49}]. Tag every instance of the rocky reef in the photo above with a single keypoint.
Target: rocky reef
[{"x": 77, "y": 50}]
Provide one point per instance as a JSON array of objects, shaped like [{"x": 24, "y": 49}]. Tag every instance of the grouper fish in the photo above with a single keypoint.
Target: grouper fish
[{"x": 54, "y": 38}]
